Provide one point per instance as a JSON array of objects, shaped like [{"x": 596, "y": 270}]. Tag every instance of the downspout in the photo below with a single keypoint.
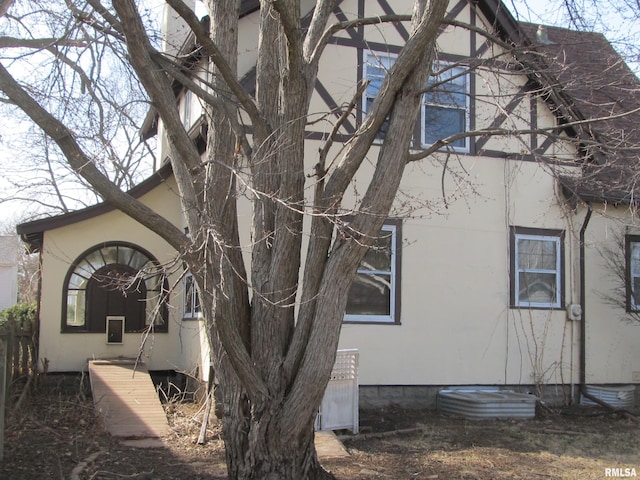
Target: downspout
[{"x": 583, "y": 302}]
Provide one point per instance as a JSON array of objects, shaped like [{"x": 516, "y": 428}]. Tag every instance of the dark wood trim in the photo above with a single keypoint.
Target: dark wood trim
[
  {"x": 397, "y": 223},
  {"x": 473, "y": 40},
  {"x": 64, "y": 328},
  {"x": 355, "y": 34},
  {"x": 32, "y": 232},
  {"x": 547, "y": 143},
  {"x": 533, "y": 122},
  {"x": 499, "y": 120},
  {"x": 400, "y": 28},
  {"x": 397, "y": 314},
  {"x": 628, "y": 240},
  {"x": 333, "y": 106},
  {"x": 457, "y": 9}
]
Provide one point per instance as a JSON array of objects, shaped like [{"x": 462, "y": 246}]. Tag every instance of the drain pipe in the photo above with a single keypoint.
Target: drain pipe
[
  {"x": 583, "y": 302},
  {"x": 583, "y": 341}
]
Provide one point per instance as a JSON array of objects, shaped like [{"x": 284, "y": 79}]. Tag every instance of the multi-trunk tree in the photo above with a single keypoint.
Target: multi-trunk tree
[{"x": 273, "y": 319}]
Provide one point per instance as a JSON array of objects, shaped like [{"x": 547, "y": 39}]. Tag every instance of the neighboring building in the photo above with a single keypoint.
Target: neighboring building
[
  {"x": 9, "y": 254},
  {"x": 504, "y": 282}
]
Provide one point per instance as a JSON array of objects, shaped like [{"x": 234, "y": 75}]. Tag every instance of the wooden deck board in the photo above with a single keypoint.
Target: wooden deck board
[{"x": 127, "y": 400}]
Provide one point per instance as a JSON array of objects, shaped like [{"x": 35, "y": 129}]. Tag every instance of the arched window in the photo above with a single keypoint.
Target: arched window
[{"x": 115, "y": 279}]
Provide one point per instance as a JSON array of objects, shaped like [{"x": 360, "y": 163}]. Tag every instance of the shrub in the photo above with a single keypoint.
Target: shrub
[{"x": 23, "y": 314}]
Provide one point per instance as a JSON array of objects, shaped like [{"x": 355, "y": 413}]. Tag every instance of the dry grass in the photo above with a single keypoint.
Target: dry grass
[{"x": 56, "y": 431}]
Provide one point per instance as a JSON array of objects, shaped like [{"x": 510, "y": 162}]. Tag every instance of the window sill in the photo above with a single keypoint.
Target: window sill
[
  {"x": 78, "y": 330},
  {"x": 537, "y": 307},
  {"x": 370, "y": 322}
]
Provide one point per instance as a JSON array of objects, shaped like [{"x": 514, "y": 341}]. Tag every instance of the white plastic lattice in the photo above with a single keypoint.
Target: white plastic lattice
[{"x": 339, "y": 409}]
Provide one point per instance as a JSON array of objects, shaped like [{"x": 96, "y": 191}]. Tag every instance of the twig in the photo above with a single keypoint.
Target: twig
[
  {"x": 75, "y": 473},
  {"x": 374, "y": 435},
  {"x": 625, "y": 413},
  {"x": 137, "y": 476},
  {"x": 23, "y": 394},
  {"x": 45, "y": 427},
  {"x": 561, "y": 432}
]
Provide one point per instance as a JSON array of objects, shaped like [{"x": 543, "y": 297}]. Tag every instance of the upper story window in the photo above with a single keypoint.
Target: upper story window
[
  {"x": 374, "y": 296},
  {"x": 192, "y": 307},
  {"x": 537, "y": 258},
  {"x": 376, "y": 68},
  {"x": 633, "y": 272},
  {"x": 185, "y": 108},
  {"x": 445, "y": 107}
]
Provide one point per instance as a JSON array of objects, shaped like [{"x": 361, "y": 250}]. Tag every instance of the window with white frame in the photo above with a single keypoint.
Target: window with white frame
[
  {"x": 633, "y": 272},
  {"x": 445, "y": 107},
  {"x": 445, "y": 104},
  {"x": 185, "y": 108},
  {"x": 374, "y": 296},
  {"x": 192, "y": 307},
  {"x": 376, "y": 67},
  {"x": 536, "y": 268}
]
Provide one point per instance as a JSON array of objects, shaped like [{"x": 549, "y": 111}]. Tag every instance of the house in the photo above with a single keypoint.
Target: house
[
  {"x": 508, "y": 260},
  {"x": 9, "y": 250}
]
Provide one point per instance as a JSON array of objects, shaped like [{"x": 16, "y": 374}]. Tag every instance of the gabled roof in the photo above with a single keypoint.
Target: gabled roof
[
  {"x": 573, "y": 62},
  {"x": 602, "y": 89},
  {"x": 596, "y": 78},
  {"x": 32, "y": 232}
]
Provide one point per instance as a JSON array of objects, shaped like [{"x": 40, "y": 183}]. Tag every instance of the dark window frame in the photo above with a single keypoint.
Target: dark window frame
[
  {"x": 191, "y": 306},
  {"x": 515, "y": 231},
  {"x": 631, "y": 306},
  {"x": 395, "y": 314},
  {"x": 162, "y": 287}
]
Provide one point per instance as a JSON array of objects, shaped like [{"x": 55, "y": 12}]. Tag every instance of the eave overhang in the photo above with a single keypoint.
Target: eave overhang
[
  {"x": 575, "y": 188},
  {"x": 32, "y": 233}
]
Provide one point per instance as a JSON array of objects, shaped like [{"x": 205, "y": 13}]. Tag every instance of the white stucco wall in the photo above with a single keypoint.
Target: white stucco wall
[
  {"x": 612, "y": 335},
  {"x": 9, "y": 253},
  {"x": 62, "y": 246}
]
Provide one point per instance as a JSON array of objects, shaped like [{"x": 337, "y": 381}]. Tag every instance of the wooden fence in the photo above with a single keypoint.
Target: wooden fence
[
  {"x": 20, "y": 350},
  {"x": 3, "y": 392},
  {"x": 17, "y": 361}
]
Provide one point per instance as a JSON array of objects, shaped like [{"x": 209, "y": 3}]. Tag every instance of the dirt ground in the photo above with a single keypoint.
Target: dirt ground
[{"x": 56, "y": 435}]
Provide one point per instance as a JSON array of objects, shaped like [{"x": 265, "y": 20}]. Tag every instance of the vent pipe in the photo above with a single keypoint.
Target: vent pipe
[{"x": 542, "y": 35}]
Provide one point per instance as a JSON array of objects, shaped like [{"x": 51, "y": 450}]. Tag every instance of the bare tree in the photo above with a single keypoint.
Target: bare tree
[
  {"x": 76, "y": 73},
  {"x": 274, "y": 330}
]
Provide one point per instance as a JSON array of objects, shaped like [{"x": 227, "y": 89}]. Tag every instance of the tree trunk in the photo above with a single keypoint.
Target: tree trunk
[{"x": 261, "y": 453}]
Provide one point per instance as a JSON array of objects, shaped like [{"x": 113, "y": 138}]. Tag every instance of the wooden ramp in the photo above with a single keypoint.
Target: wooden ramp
[{"x": 126, "y": 398}]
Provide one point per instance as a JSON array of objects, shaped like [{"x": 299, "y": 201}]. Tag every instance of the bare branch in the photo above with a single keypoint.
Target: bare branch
[
  {"x": 336, "y": 27},
  {"x": 83, "y": 165},
  {"x": 176, "y": 71},
  {"x": 4, "y": 6},
  {"x": 216, "y": 57},
  {"x": 38, "y": 43}
]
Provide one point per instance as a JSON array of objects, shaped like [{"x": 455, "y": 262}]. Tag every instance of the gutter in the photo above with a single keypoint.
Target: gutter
[
  {"x": 583, "y": 341},
  {"x": 583, "y": 302}
]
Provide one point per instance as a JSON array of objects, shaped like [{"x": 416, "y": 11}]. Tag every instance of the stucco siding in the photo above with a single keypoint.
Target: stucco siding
[
  {"x": 612, "y": 336},
  {"x": 62, "y": 246},
  {"x": 456, "y": 323}
]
